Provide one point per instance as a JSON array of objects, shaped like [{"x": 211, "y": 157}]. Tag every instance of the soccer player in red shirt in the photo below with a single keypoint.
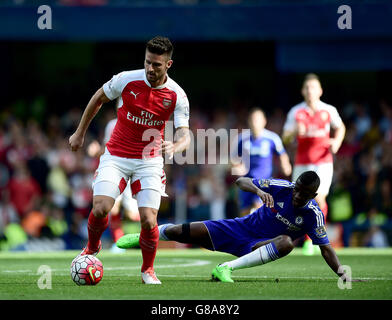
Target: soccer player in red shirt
[
  {"x": 134, "y": 151},
  {"x": 310, "y": 122}
]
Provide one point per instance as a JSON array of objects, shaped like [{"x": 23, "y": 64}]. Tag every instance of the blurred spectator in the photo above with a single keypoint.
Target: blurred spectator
[
  {"x": 385, "y": 179},
  {"x": 11, "y": 234},
  {"x": 350, "y": 146},
  {"x": 366, "y": 229},
  {"x": 385, "y": 123},
  {"x": 8, "y": 213},
  {"x": 33, "y": 223},
  {"x": 24, "y": 191},
  {"x": 37, "y": 163},
  {"x": 56, "y": 222},
  {"x": 18, "y": 150},
  {"x": 362, "y": 119}
]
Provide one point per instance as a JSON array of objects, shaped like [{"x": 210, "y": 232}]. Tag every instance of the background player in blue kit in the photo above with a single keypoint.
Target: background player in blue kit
[
  {"x": 267, "y": 234},
  {"x": 260, "y": 146}
]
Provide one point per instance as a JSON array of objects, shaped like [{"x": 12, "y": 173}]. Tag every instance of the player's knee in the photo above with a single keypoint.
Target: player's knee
[
  {"x": 101, "y": 208},
  {"x": 284, "y": 245},
  {"x": 148, "y": 223},
  {"x": 148, "y": 219}
]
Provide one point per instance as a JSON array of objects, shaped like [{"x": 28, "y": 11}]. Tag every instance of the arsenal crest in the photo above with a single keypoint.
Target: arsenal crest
[{"x": 166, "y": 103}]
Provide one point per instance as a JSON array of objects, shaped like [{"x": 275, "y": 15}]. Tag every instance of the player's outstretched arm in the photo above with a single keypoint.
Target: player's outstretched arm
[
  {"x": 332, "y": 260},
  {"x": 246, "y": 184},
  {"x": 95, "y": 103}
]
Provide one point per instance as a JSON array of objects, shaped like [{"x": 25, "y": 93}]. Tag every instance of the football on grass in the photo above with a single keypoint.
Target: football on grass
[{"x": 86, "y": 270}]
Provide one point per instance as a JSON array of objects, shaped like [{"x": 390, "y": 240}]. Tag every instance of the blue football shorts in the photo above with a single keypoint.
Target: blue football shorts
[{"x": 232, "y": 236}]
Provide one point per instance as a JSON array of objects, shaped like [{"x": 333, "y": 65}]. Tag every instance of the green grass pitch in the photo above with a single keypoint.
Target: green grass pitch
[{"x": 185, "y": 275}]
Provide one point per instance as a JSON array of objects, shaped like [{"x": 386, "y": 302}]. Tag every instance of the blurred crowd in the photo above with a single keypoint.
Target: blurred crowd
[
  {"x": 45, "y": 189},
  {"x": 361, "y": 194}
]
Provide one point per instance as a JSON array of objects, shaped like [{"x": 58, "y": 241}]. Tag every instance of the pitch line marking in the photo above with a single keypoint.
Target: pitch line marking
[
  {"x": 187, "y": 263},
  {"x": 273, "y": 277}
]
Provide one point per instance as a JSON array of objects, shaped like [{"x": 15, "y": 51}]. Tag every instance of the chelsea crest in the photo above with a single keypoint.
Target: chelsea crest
[{"x": 299, "y": 220}]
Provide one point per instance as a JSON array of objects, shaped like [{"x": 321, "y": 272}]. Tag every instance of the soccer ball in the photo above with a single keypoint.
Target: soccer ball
[{"x": 86, "y": 270}]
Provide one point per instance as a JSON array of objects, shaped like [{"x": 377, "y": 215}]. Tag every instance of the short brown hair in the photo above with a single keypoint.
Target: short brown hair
[
  {"x": 256, "y": 109},
  {"x": 311, "y": 76},
  {"x": 160, "y": 45}
]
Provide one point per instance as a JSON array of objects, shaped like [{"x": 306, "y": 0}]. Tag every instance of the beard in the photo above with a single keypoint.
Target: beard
[
  {"x": 154, "y": 78},
  {"x": 151, "y": 77}
]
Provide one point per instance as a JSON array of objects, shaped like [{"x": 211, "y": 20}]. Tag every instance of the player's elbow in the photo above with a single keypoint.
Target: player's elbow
[{"x": 240, "y": 182}]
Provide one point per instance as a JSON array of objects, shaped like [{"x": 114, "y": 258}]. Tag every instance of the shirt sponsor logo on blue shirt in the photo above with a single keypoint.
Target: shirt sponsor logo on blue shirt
[{"x": 287, "y": 222}]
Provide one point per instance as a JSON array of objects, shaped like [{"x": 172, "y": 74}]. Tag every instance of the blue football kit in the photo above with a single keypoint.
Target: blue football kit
[
  {"x": 260, "y": 151},
  {"x": 237, "y": 236}
]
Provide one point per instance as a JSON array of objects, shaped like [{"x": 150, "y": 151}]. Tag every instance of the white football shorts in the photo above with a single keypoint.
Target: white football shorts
[
  {"x": 113, "y": 173},
  {"x": 324, "y": 171},
  {"x": 127, "y": 200}
]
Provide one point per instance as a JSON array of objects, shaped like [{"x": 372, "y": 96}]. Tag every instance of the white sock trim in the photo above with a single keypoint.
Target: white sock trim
[{"x": 161, "y": 229}]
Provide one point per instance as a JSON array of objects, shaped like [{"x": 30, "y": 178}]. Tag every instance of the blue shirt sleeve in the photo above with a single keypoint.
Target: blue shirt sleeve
[
  {"x": 271, "y": 185},
  {"x": 316, "y": 229},
  {"x": 263, "y": 184}
]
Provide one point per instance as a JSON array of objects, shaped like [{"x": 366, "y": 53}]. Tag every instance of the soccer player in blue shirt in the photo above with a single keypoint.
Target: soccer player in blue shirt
[
  {"x": 289, "y": 212},
  {"x": 260, "y": 147}
]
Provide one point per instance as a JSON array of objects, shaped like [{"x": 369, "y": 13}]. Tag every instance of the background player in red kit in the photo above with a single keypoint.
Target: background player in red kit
[
  {"x": 134, "y": 151},
  {"x": 311, "y": 121}
]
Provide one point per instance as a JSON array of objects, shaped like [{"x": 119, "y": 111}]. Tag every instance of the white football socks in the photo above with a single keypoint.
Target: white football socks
[{"x": 257, "y": 257}]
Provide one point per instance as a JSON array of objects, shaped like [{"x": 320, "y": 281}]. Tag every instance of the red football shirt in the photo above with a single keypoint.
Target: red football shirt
[
  {"x": 313, "y": 132},
  {"x": 142, "y": 117}
]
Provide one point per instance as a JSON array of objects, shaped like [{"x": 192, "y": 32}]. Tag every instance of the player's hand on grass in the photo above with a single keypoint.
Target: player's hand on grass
[
  {"x": 267, "y": 198},
  {"x": 167, "y": 147},
  {"x": 347, "y": 278},
  {"x": 355, "y": 280},
  {"x": 76, "y": 141}
]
